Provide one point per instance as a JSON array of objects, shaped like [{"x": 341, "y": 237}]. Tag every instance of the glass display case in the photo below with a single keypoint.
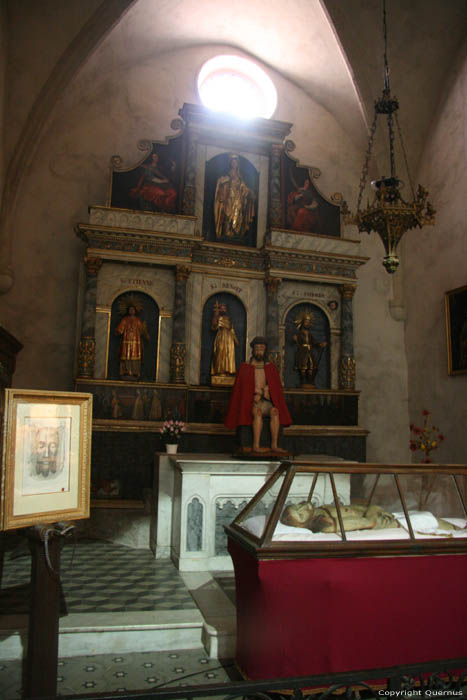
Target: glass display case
[
  {"x": 343, "y": 567},
  {"x": 342, "y": 509}
]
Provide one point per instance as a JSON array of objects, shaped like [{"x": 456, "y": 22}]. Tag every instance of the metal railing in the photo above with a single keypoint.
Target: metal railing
[{"x": 435, "y": 679}]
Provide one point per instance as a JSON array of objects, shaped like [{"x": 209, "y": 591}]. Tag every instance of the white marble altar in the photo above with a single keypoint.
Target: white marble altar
[{"x": 195, "y": 495}]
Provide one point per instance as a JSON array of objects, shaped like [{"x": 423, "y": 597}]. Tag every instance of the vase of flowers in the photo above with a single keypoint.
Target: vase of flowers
[
  {"x": 171, "y": 432},
  {"x": 427, "y": 438}
]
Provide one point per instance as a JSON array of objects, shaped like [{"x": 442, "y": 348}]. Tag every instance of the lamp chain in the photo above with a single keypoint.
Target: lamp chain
[
  {"x": 386, "y": 66},
  {"x": 405, "y": 156},
  {"x": 366, "y": 165}
]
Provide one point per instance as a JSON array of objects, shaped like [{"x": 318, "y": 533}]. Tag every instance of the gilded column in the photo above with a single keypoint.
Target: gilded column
[
  {"x": 272, "y": 320},
  {"x": 87, "y": 343},
  {"x": 275, "y": 219},
  {"x": 178, "y": 347},
  {"x": 347, "y": 359}
]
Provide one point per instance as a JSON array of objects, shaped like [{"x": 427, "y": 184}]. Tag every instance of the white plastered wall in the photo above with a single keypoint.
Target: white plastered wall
[{"x": 436, "y": 261}]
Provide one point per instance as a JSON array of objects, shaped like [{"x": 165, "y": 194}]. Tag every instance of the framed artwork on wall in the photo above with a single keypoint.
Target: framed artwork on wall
[
  {"x": 456, "y": 329},
  {"x": 45, "y": 457}
]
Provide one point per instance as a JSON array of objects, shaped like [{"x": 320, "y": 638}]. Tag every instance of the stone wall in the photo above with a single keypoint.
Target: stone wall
[{"x": 435, "y": 263}]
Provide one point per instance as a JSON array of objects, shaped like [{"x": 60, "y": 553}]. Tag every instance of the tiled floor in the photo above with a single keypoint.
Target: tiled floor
[
  {"x": 101, "y": 577},
  {"x": 113, "y": 672}
]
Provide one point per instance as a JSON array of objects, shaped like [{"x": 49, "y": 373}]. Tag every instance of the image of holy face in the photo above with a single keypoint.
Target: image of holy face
[{"x": 46, "y": 451}]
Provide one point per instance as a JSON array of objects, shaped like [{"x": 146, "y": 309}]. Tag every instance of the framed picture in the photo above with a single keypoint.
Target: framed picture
[
  {"x": 456, "y": 328},
  {"x": 45, "y": 457}
]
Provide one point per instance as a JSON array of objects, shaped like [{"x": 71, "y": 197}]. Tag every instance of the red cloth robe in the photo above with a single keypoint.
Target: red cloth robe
[{"x": 240, "y": 411}]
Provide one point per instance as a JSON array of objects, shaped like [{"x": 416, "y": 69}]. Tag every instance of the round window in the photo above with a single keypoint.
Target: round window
[{"x": 238, "y": 86}]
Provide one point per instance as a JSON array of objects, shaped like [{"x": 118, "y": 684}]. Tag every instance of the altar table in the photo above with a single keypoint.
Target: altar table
[{"x": 195, "y": 495}]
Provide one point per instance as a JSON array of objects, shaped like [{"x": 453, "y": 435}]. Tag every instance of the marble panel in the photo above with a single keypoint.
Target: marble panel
[
  {"x": 194, "y": 290},
  {"x": 165, "y": 341},
  {"x": 238, "y": 287},
  {"x": 144, "y": 221},
  {"x": 101, "y": 336},
  {"x": 335, "y": 355},
  {"x": 257, "y": 311},
  {"x": 291, "y": 293},
  {"x": 309, "y": 242},
  {"x": 156, "y": 282},
  {"x": 194, "y": 520}
]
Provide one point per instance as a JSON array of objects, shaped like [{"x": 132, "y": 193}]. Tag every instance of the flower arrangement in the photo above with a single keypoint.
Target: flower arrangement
[
  {"x": 171, "y": 431},
  {"x": 426, "y": 439}
]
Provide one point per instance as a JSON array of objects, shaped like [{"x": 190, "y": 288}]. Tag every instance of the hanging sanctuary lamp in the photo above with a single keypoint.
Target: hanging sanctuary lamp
[{"x": 389, "y": 214}]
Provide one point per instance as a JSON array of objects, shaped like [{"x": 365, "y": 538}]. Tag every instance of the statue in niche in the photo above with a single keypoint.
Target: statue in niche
[
  {"x": 155, "y": 190},
  {"x": 133, "y": 330},
  {"x": 302, "y": 208},
  {"x": 306, "y": 362},
  {"x": 233, "y": 203},
  {"x": 223, "y": 355}
]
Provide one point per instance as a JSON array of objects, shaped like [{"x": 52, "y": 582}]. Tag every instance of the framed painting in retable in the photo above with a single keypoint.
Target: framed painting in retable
[
  {"x": 456, "y": 329},
  {"x": 45, "y": 457}
]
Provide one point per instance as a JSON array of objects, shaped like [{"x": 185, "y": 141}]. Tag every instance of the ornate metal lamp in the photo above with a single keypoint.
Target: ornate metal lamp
[{"x": 389, "y": 215}]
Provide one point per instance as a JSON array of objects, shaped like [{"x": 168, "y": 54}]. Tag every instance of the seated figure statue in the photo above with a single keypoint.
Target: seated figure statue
[{"x": 354, "y": 517}]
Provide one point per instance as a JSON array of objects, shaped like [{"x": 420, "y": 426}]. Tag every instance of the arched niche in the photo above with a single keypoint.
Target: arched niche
[
  {"x": 216, "y": 168},
  {"x": 320, "y": 330},
  {"x": 237, "y": 313},
  {"x": 147, "y": 311}
]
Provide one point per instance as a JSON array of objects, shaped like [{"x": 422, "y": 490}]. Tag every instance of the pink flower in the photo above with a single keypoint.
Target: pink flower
[
  {"x": 425, "y": 412},
  {"x": 417, "y": 431},
  {"x": 413, "y": 447}
]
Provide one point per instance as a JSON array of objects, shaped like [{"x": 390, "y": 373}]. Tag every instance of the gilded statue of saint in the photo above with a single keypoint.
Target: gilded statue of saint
[
  {"x": 223, "y": 356},
  {"x": 233, "y": 203},
  {"x": 133, "y": 330},
  {"x": 305, "y": 363}
]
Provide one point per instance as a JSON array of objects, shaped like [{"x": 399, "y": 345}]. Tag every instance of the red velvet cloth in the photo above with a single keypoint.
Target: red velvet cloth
[
  {"x": 316, "y": 616},
  {"x": 241, "y": 400}
]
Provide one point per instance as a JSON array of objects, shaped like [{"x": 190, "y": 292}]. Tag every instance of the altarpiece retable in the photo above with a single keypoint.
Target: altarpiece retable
[{"x": 215, "y": 236}]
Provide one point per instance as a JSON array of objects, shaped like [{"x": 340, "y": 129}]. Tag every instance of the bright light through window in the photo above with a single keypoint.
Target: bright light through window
[{"x": 235, "y": 85}]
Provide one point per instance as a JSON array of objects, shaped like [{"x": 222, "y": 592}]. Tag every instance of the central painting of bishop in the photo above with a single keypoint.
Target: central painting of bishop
[{"x": 231, "y": 200}]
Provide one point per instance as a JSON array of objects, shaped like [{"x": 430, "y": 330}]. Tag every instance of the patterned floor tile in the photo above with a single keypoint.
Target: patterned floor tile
[
  {"x": 100, "y": 576},
  {"x": 135, "y": 671}
]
